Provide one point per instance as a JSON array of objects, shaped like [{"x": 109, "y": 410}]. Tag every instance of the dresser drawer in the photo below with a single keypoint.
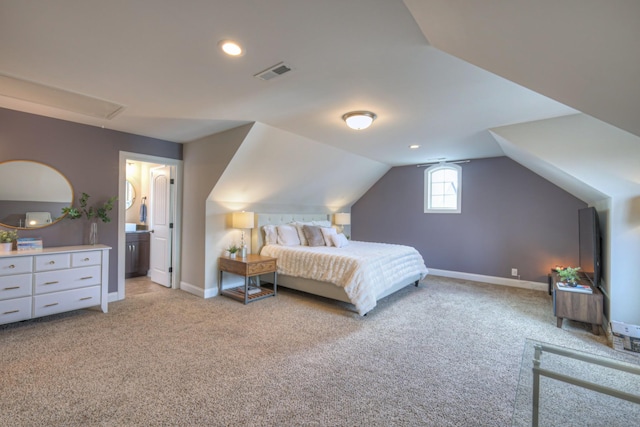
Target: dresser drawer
[
  {"x": 58, "y": 302},
  {"x": 15, "y": 286},
  {"x": 15, "y": 310},
  {"x": 81, "y": 259},
  {"x": 17, "y": 265},
  {"x": 52, "y": 262},
  {"x": 53, "y": 281}
]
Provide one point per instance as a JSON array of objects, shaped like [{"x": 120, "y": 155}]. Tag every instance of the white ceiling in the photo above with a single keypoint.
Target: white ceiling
[{"x": 160, "y": 60}]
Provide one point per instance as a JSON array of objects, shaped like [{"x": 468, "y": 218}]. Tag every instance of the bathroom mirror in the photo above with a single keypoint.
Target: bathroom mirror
[
  {"x": 34, "y": 190},
  {"x": 130, "y": 193}
]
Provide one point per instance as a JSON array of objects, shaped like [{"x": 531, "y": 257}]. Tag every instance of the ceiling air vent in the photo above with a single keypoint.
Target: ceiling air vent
[{"x": 272, "y": 72}]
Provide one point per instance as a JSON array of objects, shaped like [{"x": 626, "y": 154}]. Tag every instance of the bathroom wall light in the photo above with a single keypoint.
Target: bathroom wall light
[{"x": 359, "y": 120}]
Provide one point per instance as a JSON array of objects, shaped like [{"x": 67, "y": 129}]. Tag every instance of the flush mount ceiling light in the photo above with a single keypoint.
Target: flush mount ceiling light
[
  {"x": 359, "y": 120},
  {"x": 414, "y": 146},
  {"x": 231, "y": 48}
]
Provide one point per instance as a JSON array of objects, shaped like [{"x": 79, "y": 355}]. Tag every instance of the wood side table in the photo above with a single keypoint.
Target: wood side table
[
  {"x": 578, "y": 306},
  {"x": 250, "y": 266}
]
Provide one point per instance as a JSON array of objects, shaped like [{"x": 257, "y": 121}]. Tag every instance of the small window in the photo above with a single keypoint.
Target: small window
[{"x": 442, "y": 188}]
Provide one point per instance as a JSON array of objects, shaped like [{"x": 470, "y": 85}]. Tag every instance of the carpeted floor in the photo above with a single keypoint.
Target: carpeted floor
[{"x": 445, "y": 354}]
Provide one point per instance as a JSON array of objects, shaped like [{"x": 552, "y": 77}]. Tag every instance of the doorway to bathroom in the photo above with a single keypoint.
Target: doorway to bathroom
[{"x": 150, "y": 194}]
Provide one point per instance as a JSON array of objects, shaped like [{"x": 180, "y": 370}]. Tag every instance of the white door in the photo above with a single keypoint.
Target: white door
[{"x": 161, "y": 231}]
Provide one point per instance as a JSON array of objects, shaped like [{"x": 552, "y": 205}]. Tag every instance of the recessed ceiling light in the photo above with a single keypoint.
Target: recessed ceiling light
[
  {"x": 359, "y": 120},
  {"x": 231, "y": 48},
  {"x": 414, "y": 146}
]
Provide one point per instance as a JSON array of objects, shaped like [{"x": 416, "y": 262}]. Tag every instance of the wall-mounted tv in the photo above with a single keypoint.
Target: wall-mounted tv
[{"x": 590, "y": 244}]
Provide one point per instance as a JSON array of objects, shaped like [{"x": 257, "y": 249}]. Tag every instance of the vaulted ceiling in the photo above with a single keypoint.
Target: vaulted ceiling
[{"x": 160, "y": 60}]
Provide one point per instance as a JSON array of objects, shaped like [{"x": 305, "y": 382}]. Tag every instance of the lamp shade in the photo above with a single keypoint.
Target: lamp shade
[
  {"x": 342, "y": 218},
  {"x": 242, "y": 220}
]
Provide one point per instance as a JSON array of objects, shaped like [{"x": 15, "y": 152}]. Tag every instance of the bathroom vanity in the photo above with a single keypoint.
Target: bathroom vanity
[
  {"x": 36, "y": 283},
  {"x": 137, "y": 254}
]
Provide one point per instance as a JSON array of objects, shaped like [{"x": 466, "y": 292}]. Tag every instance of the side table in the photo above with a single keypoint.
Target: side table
[
  {"x": 250, "y": 266},
  {"x": 585, "y": 308}
]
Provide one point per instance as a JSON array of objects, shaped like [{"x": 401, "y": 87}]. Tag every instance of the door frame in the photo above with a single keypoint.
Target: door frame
[{"x": 177, "y": 166}]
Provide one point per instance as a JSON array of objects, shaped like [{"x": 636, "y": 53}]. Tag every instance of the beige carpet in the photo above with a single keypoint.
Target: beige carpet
[{"x": 445, "y": 354}]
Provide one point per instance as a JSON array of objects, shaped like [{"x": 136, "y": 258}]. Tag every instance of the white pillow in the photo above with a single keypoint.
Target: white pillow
[
  {"x": 339, "y": 240},
  {"x": 270, "y": 235},
  {"x": 288, "y": 235},
  {"x": 327, "y": 232}
]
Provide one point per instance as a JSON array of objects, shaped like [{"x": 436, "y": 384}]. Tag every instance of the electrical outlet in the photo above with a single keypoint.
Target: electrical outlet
[{"x": 514, "y": 271}]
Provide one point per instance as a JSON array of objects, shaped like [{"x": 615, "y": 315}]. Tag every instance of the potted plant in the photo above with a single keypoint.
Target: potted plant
[
  {"x": 6, "y": 240},
  {"x": 92, "y": 213},
  {"x": 233, "y": 250},
  {"x": 569, "y": 275}
]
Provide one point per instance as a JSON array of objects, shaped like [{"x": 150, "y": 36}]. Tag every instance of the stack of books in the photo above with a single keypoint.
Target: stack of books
[
  {"x": 251, "y": 291},
  {"x": 584, "y": 289}
]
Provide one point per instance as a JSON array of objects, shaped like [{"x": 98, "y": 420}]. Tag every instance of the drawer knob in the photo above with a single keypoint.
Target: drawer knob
[
  {"x": 12, "y": 266},
  {"x": 11, "y": 312},
  {"x": 51, "y": 262},
  {"x": 86, "y": 277},
  {"x": 50, "y": 283},
  {"x": 86, "y": 259},
  {"x": 51, "y": 305},
  {"x": 85, "y": 298},
  {"x": 11, "y": 287}
]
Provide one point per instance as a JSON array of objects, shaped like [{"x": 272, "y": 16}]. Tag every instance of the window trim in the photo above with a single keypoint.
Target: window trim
[{"x": 428, "y": 172}]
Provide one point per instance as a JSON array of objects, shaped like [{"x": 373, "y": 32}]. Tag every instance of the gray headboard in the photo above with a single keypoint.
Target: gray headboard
[{"x": 257, "y": 235}]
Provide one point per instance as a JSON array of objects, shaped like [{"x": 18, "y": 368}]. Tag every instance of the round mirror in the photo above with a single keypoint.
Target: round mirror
[
  {"x": 32, "y": 194},
  {"x": 130, "y": 193}
]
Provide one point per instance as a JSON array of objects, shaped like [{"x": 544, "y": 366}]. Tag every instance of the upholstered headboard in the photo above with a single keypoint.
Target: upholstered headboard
[{"x": 257, "y": 235}]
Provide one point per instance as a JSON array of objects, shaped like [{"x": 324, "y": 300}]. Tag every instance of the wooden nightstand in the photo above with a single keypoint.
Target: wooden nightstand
[{"x": 251, "y": 266}]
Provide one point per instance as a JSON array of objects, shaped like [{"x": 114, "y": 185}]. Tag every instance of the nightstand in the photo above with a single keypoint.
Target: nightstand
[{"x": 251, "y": 266}]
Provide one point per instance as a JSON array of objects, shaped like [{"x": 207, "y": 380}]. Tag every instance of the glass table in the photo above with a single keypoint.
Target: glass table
[{"x": 564, "y": 387}]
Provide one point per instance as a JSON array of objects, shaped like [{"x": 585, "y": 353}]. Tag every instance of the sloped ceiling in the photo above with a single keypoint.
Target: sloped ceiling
[
  {"x": 160, "y": 60},
  {"x": 278, "y": 171},
  {"x": 585, "y": 156},
  {"x": 582, "y": 53}
]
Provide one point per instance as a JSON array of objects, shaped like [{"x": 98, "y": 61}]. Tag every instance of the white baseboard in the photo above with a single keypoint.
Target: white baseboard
[
  {"x": 197, "y": 291},
  {"x": 536, "y": 286}
]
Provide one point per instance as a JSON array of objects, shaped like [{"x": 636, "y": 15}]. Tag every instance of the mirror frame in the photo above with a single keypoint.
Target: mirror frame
[
  {"x": 59, "y": 218},
  {"x": 129, "y": 202}
]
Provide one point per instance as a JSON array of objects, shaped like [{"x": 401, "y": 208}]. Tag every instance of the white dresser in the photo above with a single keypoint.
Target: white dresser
[{"x": 52, "y": 280}]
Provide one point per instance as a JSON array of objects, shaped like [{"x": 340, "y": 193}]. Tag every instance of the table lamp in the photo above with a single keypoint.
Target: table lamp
[{"x": 243, "y": 220}]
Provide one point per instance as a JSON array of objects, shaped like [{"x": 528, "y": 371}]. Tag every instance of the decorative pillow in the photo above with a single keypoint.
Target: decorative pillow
[
  {"x": 313, "y": 235},
  {"x": 339, "y": 240},
  {"x": 327, "y": 232},
  {"x": 299, "y": 225},
  {"x": 287, "y": 235},
  {"x": 270, "y": 235}
]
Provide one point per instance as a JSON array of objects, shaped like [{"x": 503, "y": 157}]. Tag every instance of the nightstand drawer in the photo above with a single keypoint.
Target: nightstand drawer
[{"x": 262, "y": 267}]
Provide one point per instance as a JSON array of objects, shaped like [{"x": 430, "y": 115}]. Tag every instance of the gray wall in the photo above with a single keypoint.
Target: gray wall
[
  {"x": 511, "y": 218},
  {"x": 89, "y": 157}
]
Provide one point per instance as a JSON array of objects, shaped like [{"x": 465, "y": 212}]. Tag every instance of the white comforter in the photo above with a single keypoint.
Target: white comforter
[{"x": 365, "y": 270}]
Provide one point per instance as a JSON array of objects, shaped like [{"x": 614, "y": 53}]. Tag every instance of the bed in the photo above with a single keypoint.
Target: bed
[{"x": 359, "y": 273}]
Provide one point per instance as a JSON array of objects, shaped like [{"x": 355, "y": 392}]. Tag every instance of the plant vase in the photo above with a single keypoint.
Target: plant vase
[
  {"x": 232, "y": 255},
  {"x": 93, "y": 233},
  {"x": 6, "y": 247}
]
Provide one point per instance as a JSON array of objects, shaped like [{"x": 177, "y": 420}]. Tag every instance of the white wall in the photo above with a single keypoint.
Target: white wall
[
  {"x": 606, "y": 160},
  {"x": 204, "y": 162}
]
